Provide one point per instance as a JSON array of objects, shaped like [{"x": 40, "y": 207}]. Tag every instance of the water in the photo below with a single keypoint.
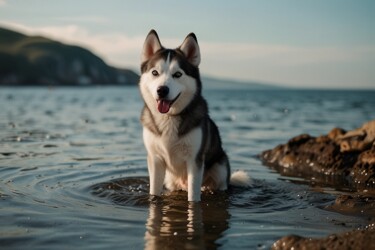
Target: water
[{"x": 73, "y": 171}]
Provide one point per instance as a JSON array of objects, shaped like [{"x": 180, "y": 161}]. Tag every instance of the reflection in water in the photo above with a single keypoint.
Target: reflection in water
[
  {"x": 186, "y": 225},
  {"x": 173, "y": 222}
]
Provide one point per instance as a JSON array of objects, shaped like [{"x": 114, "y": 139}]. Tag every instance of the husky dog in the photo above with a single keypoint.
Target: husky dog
[{"x": 183, "y": 144}]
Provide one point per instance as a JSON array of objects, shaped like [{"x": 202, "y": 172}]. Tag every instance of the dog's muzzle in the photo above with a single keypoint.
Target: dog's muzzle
[
  {"x": 163, "y": 104},
  {"x": 162, "y": 91}
]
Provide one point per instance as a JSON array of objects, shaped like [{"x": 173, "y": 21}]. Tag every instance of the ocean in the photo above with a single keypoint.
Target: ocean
[{"x": 73, "y": 171}]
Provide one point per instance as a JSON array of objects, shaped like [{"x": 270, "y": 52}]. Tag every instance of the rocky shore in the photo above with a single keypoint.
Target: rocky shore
[{"x": 341, "y": 159}]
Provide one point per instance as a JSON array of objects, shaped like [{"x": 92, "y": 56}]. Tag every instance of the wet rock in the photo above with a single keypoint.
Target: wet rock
[
  {"x": 346, "y": 154},
  {"x": 357, "y": 239},
  {"x": 355, "y": 204}
]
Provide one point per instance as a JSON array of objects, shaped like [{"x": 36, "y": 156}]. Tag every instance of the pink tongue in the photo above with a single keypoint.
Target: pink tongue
[{"x": 163, "y": 106}]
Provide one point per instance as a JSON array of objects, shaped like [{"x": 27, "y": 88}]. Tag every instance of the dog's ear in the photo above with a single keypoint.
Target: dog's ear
[
  {"x": 190, "y": 48},
  {"x": 150, "y": 46}
]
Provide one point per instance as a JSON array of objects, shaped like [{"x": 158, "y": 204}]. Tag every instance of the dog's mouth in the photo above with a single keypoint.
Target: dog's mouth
[{"x": 164, "y": 105}]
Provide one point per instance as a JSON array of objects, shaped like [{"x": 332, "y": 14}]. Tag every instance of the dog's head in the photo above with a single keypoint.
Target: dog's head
[{"x": 169, "y": 77}]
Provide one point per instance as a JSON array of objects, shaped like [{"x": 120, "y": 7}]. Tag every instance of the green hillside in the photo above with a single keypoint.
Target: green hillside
[{"x": 35, "y": 60}]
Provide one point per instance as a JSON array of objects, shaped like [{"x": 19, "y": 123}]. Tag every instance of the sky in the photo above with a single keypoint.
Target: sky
[{"x": 308, "y": 44}]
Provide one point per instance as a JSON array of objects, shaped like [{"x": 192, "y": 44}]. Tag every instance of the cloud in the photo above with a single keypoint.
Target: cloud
[
  {"x": 3, "y": 3},
  {"x": 295, "y": 65},
  {"x": 115, "y": 48},
  {"x": 83, "y": 19}
]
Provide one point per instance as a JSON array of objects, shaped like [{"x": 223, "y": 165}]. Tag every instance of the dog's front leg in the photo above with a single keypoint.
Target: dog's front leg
[
  {"x": 156, "y": 171},
  {"x": 195, "y": 176}
]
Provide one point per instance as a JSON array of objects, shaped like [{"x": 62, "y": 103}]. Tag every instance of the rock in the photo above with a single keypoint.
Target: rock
[
  {"x": 358, "y": 139},
  {"x": 349, "y": 156},
  {"x": 357, "y": 239},
  {"x": 354, "y": 204},
  {"x": 363, "y": 171}
]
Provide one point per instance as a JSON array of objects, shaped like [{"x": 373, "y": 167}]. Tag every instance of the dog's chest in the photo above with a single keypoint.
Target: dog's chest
[
  {"x": 179, "y": 149},
  {"x": 175, "y": 150}
]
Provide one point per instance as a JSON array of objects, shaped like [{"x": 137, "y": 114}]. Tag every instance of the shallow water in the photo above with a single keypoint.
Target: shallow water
[{"x": 73, "y": 171}]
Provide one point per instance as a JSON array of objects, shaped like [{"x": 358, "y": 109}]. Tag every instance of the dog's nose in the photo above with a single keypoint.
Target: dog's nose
[{"x": 162, "y": 91}]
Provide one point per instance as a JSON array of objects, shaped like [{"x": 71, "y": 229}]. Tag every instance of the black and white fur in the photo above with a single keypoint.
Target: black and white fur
[{"x": 183, "y": 144}]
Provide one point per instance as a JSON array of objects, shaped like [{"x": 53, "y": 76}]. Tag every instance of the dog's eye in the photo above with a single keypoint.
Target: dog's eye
[
  {"x": 155, "y": 73},
  {"x": 178, "y": 74}
]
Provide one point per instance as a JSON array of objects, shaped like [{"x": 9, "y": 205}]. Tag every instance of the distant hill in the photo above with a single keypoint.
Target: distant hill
[{"x": 36, "y": 60}]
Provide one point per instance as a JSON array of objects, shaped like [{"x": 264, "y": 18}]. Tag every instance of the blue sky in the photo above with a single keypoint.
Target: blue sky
[{"x": 311, "y": 43}]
